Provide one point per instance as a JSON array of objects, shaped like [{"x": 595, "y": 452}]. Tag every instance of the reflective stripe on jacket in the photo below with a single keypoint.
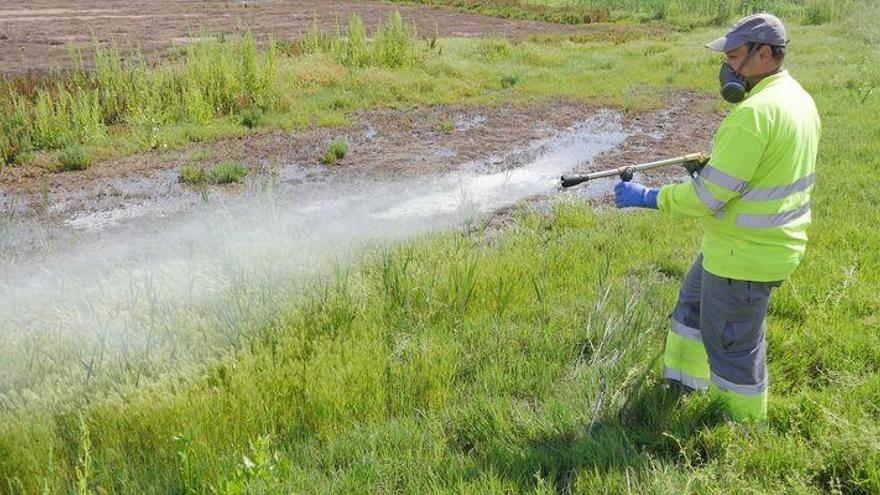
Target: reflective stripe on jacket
[{"x": 753, "y": 196}]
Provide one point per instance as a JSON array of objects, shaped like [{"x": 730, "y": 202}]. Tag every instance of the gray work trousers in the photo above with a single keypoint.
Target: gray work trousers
[{"x": 729, "y": 317}]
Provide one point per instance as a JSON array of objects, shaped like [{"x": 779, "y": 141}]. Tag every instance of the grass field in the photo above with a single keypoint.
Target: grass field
[
  {"x": 525, "y": 361},
  {"x": 683, "y": 14}
]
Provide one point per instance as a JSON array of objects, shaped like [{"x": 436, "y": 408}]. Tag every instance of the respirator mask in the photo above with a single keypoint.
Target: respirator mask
[{"x": 734, "y": 85}]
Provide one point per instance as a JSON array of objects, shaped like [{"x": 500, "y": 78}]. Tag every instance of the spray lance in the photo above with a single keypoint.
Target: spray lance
[{"x": 692, "y": 162}]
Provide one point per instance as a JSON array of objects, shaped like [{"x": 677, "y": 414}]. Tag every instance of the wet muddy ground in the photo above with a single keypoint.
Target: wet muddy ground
[
  {"x": 35, "y": 35},
  {"x": 389, "y": 145},
  {"x": 383, "y": 143}
]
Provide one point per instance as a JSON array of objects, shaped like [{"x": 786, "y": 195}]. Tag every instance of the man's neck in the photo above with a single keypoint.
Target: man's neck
[{"x": 754, "y": 80}]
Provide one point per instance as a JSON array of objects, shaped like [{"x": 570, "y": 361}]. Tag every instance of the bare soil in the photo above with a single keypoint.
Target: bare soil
[{"x": 35, "y": 35}]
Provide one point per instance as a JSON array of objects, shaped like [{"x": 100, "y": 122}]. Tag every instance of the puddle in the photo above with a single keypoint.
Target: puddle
[
  {"x": 296, "y": 174},
  {"x": 471, "y": 190},
  {"x": 369, "y": 132},
  {"x": 127, "y": 281},
  {"x": 107, "y": 218},
  {"x": 192, "y": 39},
  {"x": 468, "y": 122},
  {"x": 446, "y": 153}
]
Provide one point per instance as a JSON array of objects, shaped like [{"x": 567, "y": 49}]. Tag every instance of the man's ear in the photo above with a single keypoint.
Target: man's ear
[{"x": 765, "y": 52}]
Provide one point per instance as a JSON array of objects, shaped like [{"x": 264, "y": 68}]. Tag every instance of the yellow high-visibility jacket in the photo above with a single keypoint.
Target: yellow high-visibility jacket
[{"x": 753, "y": 196}]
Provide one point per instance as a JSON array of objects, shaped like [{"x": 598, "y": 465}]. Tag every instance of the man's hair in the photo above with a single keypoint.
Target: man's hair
[{"x": 776, "y": 51}]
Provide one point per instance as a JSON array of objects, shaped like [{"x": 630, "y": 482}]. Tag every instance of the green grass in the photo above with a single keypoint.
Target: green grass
[
  {"x": 73, "y": 158},
  {"x": 446, "y": 126},
  {"x": 335, "y": 152},
  {"x": 509, "y": 81},
  {"x": 683, "y": 14},
  {"x": 192, "y": 174},
  {"x": 391, "y": 44},
  {"x": 252, "y": 117},
  {"x": 221, "y": 173},
  {"x": 525, "y": 361},
  {"x": 574, "y": 13}
]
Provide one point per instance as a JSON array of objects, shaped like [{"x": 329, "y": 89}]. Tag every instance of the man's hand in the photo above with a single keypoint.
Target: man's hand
[{"x": 627, "y": 194}]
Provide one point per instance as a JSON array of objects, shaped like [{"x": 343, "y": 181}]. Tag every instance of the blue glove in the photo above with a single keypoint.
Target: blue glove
[{"x": 627, "y": 194}]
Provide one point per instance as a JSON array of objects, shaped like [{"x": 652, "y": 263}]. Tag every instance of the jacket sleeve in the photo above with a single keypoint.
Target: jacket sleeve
[{"x": 738, "y": 147}]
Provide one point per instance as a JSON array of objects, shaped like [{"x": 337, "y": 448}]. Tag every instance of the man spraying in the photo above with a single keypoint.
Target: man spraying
[{"x": 753, "y": 198}]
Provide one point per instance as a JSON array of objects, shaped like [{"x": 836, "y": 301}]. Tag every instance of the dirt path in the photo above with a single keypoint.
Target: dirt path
[{"x": 35, "y": 35}]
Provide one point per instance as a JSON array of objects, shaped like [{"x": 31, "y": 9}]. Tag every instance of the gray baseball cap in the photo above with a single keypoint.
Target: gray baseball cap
[{"x": 763, "y": 28}]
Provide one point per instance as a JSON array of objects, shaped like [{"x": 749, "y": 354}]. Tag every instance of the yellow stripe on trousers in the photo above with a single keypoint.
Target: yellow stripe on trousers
[{"x": 685, "y": 361}]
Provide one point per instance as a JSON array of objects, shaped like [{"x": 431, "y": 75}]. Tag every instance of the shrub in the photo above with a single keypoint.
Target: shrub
[
  {"x": 192, "y": 174},
  {"x": 23, "y": 157},
  {"x": 252, "y": 117},
  {"x": 509, "y": 81},
  {"x": 227, "y": 173},
  {"x": 493, "y": 50},
  {"x": 392, "y": 44},
  {"x": 818, "y": 12},
  {"x": 73, "y": 158},
  {"x": 213, "y": 78},
  {"x": 355, "y": 52},
  {"x": 336, "y": 151},
  {"x": 15, "y": 136},
  {"x": 222, "y": 173},
  {"x": 51, "y": 127}
]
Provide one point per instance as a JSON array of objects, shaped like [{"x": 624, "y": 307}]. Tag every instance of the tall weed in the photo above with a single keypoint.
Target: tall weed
[
  {"x": 356, "y": 50},
  {"x": 216, "y": 78},
  {"x": 393, "y": 43},
  {"x": 15, "y": 132}
]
